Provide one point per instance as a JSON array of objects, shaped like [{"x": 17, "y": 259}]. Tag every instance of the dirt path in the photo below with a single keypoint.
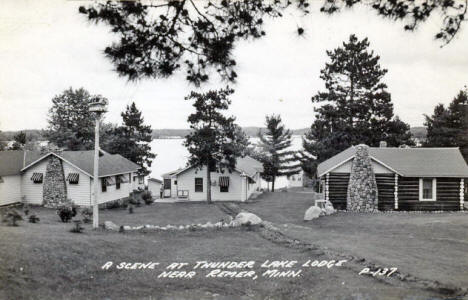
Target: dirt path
[{"x": 273, "y": 233}]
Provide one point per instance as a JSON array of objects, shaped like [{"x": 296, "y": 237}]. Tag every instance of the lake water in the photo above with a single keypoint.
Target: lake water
[{"x": 171, "y": 155}]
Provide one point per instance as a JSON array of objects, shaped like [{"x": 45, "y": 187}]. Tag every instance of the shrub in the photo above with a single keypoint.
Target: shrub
[
  {"x": 147, "y": 197},
  {"x": 11, "y": 217},
  {"x": 130, "y": 209},
  {"x": 78, "y": 228},
  {"x": 26, "y": 209},
  {"x": 67, "y": 211},
  {"x": 87, "y": 214},
  {"x": 33, "y": 219}
]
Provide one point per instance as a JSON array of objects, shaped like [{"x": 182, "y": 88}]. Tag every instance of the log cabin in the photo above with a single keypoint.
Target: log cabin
[{"x": 408, "y": 179}]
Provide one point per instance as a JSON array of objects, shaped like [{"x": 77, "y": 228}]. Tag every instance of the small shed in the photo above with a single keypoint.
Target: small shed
[{"x": 155, "y": 187}]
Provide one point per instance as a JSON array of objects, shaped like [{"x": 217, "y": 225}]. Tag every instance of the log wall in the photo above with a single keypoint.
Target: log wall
[
  {"x": 386, "y": 190},
  {"x": 447, "y": 194},
  {"x": 338, "y": 189}
]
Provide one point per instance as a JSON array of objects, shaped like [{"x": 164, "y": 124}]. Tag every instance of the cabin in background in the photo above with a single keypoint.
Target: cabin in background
[
  {"x": 406, "y": 178},
  {"x": 190, "y": 183}
]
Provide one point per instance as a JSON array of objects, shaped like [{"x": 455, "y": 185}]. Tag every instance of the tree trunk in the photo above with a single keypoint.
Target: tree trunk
[
  {"x": 208, "y": 185},
  {"x": 268, "y": 186},
  {"x": 273, "y": 184}
]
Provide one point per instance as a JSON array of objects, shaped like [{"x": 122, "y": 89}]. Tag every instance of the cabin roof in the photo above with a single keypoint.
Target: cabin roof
[
  {"x": 246, "y": 164},
  {"x": 12, "y": 161},
  {"x": 155, "y": 180},
  {"x": 408, "y": 162},
  {"x": 109, "y": 164}
]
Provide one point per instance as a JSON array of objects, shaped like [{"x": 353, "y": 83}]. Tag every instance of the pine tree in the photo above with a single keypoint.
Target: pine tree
[
  {"x": 215, "y": 141},
  {"x": 358, "y": 107},
  {"x": 155, "y": 39},
  {"x": 274, "y": 143},
  {"x": 448, "y": 127},
  {"x": 132, "y": 139}
]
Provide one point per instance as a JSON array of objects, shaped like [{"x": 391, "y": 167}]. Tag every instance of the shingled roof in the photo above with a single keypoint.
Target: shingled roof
[
  {"x": 13, "y": 162},
  {"x": 246, "y": 164},
  {"x": 409, "y": 162}
]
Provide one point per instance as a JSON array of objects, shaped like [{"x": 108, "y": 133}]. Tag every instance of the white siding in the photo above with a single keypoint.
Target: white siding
[
  {"x": 79, "y": 193},
  {"x": 10, "y": 189},
  {"x": 186, "y": 181},
  {"x": 31, "y": 191},
  {"x": 155, "y": 188},
  {"x": 112, "y": 192}
]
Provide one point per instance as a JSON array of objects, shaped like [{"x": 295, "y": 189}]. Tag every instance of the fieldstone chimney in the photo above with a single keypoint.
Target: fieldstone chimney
[
  {"x": 54, "y": 188},
  {"x": 362, "y": 187}
]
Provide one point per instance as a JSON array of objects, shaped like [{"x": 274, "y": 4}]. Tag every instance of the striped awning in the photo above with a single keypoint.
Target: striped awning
[
  {"x": 37, "y": 177},
  {"x": 123, "y": 178},
  {"x": 224, "y": 181},
  {"x": 109, "y": 181},
  {"x": 73, "y": 177}
]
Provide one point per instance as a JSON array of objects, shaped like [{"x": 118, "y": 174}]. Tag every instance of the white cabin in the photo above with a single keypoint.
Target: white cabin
[
  {"x": 49, "y": 178},
  {"x": 190, "y": 183}
]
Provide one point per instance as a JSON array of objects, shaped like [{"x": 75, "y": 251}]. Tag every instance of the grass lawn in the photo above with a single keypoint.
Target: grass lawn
[
  {"x": 46, "y": 261},
  {"x": 429, "y": 245},
  {"x": 165, "y": 213}
]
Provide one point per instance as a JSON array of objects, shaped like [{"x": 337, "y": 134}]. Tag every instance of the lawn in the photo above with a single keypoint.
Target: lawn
[
  {"x": 46, "y": 261},
  {"x": 430, "y": 245}
]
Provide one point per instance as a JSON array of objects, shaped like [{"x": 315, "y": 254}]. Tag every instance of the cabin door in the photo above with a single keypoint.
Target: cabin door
[{"x": 167, "y": 188}]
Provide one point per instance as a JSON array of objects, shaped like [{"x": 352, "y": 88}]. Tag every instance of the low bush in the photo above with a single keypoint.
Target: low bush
[
  {"x": 33, "y": 219},
  {"x": 147, "y": 197},
  {"x": 78, "y": 228},
  {"x": 11, "y": 217},
  {"x": 67, "y": 211},
  {"x": 87, "y": 214}
]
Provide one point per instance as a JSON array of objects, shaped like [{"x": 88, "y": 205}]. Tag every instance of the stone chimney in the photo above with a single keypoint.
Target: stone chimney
[
  {"x": 362, "y": 187},
  {"x": 383, "y": 144}
]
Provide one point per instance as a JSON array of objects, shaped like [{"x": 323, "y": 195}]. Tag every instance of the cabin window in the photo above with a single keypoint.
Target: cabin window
[
  {"x": 198, "y": 184},
  {"x": 175, "y": 182},
  {"x": 140, "y": 179},
  {"x": 37, "y": 177},
  {"x": 427, "y": 189},
  {"x": 224, "y": 184},
  {"x": 73, "y": 178},
  {"x": 103, "y": 185},
  {"x": 117, "y": 182}
]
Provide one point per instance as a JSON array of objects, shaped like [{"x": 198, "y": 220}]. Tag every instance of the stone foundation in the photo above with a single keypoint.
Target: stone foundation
[
  {"x": 362, "y": 188},
  {"x": 54, "y": 187}
]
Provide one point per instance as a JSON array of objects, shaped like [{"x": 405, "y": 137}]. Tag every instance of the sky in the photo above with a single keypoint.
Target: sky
[{"x": 47, "y": 46}]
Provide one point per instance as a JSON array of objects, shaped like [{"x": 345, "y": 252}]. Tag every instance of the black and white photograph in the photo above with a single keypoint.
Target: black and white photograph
[{"x": 234, "y": 149}]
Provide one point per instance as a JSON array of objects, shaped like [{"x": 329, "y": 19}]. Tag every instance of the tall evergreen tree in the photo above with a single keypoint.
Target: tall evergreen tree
[
  {"x": 71, "y": 124},
  {"x": 274, "y": 144},
  {"x": 448, "y": 127},
  {"x": 215, "y": 141},
  {"x": 358, "y": 107},
  {"x": 132, "y": 139}
]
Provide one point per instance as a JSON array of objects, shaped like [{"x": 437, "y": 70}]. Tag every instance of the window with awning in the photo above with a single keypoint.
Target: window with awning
[
  {"x": 123, "y": 178},
  {"x": 110, "y": 181},
  {"x": 37, "y": 177},
  {"x": 73, "y": 178},
  {"x": 223, "y": 184}
]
